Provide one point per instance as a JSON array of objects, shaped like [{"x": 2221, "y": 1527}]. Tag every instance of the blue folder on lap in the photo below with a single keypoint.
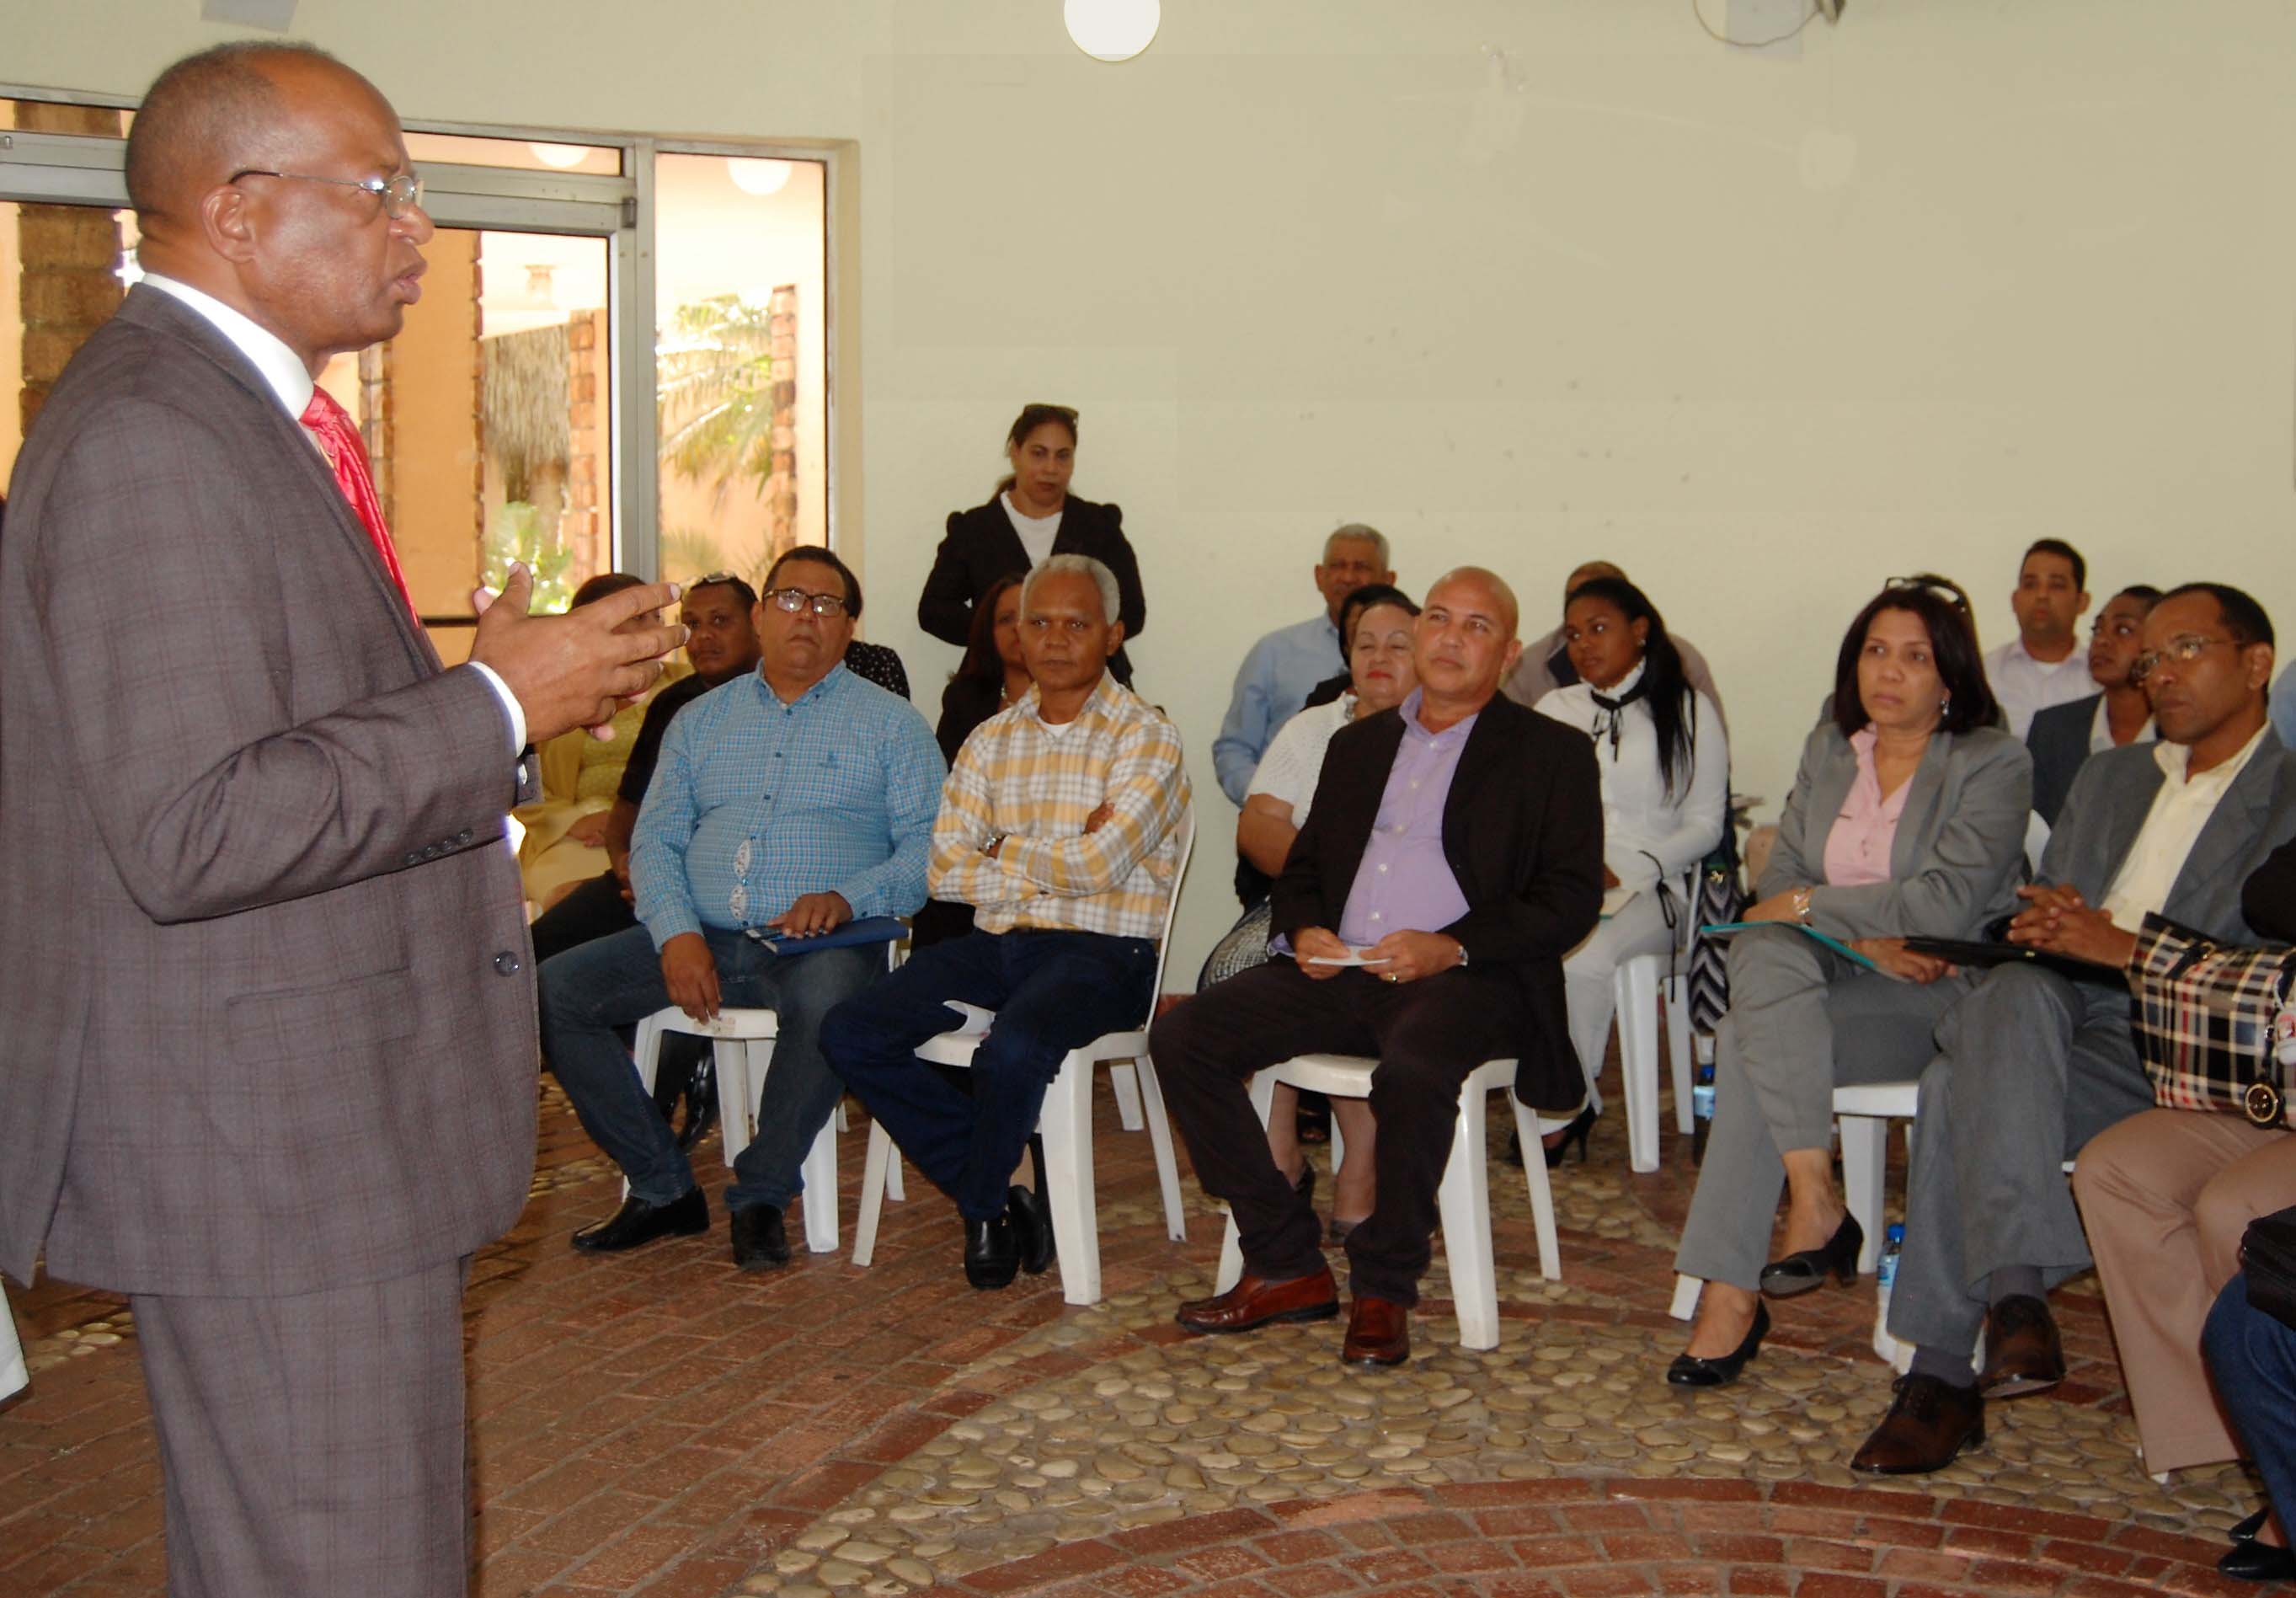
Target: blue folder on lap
[
  {"x": 874, "y": 928},
  {"x": 1724, "y": 929}
]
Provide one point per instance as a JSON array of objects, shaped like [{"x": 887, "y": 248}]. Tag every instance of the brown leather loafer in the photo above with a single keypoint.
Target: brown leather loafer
[
  {"x": 1929, "y": 1423},
  {"x": 2022, "y": 1354},
  {"x": 1379, "y": 1334},
  {"x": 1255, "y": 1301}
]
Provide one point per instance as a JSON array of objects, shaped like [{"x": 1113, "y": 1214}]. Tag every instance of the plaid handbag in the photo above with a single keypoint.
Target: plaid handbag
[{"x": 2213, "y": 1025}]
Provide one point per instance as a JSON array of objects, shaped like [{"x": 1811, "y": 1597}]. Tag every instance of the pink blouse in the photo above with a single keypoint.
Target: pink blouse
[{"x": 1857, "y": 848}]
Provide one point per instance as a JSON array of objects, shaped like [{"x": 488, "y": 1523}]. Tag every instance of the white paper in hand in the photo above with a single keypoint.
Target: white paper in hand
[{"x": 1355, "y": 957}]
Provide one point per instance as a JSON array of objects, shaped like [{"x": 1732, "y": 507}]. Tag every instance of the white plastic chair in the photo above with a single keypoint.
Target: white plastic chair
[
  {"x": 1464, "y": 1199},
  {"x": 1065, "y": 1124},
  {"x": 1635, "y": 987}
]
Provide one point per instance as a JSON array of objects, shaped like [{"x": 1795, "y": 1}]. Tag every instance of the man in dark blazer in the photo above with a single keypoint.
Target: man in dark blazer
[
  {"x": 2035, "y": 1061},
  {"x": 1458, "y": 841},
  {"x": 2063, "y": 737},
  {"x": 269, "y": 1061}
]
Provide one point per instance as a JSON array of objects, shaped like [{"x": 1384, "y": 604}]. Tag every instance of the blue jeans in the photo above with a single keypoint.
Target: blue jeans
[
  {"x": 616, "y": 982},
  {"x": 1052, "y": 992},
  {"x": 2253, "y": 1360}
]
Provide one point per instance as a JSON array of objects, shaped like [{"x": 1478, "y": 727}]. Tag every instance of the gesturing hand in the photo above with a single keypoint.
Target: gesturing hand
[
  {"x": 813, "y": 913},
  {"x": 691, "y": 975},
  {"x": 574, "y": 670}
]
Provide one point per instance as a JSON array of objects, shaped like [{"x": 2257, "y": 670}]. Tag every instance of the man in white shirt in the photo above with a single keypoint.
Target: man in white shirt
[
  {"x": 2039, "y": 1058},
  {"x": 1280, "y": 669},
  {"x": 2040, "y": 667}
]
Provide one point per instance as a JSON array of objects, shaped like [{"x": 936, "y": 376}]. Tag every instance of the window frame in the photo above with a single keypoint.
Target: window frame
[{"x": 58, "y": 168}]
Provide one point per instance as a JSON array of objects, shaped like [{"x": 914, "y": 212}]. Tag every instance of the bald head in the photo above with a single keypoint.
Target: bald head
[
  {"x": 1587, "y": 574},
  {"x": 207, "y": 116},
  {"x": 1490, "y": 592},
  {"x": 1464, "y": 642}
]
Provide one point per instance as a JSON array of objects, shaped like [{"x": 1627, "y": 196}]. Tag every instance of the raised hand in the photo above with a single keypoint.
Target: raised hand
[{"x": 578, "y": 669}]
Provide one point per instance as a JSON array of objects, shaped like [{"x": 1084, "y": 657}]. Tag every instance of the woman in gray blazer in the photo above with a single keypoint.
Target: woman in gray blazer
[{"x": 1908, "y": 817}]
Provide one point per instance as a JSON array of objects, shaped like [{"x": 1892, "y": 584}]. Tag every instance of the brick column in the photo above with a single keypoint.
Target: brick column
[
  {"x": 585, "y": 528},
  {"x": 780, "y": 487},
  {"x": 71, "y": 256}
]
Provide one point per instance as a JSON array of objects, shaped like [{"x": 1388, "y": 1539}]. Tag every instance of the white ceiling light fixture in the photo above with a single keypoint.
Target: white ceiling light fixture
[
  {"x": 1113, "y": 30},
  {"x": 560, "y": 156},
  {"x": 757, "y": 176}
]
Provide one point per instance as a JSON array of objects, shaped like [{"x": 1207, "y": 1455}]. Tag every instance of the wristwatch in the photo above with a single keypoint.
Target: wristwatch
[
  {"x": 1801, "y": 905},
  {"x": 1462, "y": 954}
]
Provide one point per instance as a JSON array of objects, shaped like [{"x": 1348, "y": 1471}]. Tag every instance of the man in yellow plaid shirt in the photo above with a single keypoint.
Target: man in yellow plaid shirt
[{"x": 1060, "y": 824}]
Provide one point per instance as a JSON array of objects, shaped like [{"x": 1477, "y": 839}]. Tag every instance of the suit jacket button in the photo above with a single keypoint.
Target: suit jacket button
[
  {"x": 462, "y": 837},
  {"x": 507, "y": 964}
]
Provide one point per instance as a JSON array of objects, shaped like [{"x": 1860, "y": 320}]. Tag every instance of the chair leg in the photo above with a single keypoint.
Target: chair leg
[
  {"x": 1066, "y": 1127},
  {"x": 1686, "y": 1290},
  {"x": 1541, "y": 1191},
  {"x": 819, "y": 1173},
  {"x": 1677, "y": 1048},
  {"x": 894, "y": 1189},
  {"x": 739, "y": 1090},
  {"x": 649, "y": 1058},
  {"x": 1159, "y": 1140},
  {"x": 1231, "y": 1259},
  {"x": 1125, "y": 1083},
  {"x": 1465, "y": 1200},
  {"x": 1634, "y": 993},
  {"x": 872, "y": 1193},
  {"x": 1864, "y": 1147}
]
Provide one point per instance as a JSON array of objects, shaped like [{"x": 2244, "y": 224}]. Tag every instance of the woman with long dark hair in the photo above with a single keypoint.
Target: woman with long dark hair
[
  {"x": 1665, "y": 764},
  {"x": 1031, "y": 516},
  {"x": 1908, "y": 817}
]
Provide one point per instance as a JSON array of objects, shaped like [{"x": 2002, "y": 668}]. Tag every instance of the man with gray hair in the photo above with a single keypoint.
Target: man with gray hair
[
  {"x": 1061, "y": 824},
  {"x": 1284, "y": 667}
]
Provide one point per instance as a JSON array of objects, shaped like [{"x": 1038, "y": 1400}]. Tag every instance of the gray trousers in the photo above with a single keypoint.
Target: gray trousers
[
  {"x": 313, "y": 1443},
  {"x": 2031, "y": 1067},
  {"x": 1802, "y": 1021}
]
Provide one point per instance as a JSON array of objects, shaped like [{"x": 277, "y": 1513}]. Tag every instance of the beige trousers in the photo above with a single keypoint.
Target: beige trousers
[{"x": 2166, "y": 1195}]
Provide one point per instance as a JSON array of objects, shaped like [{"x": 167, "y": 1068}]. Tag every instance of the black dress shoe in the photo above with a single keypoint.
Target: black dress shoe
[
  {"x": 638, "y": 1223},
  {"x": 1691, "y": 1370},
  {"x": 1032, "y": 1229},
  {"x": 2258, "y": 1562},
  {"x": 760, "y": 1240},
  {"x": 991, "y": 1255},
  {"x": 1929, "y": 1422},
  {"x": 2245, "y": 1530},
  {"x": 1797, "y": 1272},
  {"x": 2022, "y": 1353}
]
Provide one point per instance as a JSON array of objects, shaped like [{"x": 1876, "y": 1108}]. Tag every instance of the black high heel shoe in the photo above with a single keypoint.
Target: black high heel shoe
[
  {"x": 1688, "y": 1370},
  {"x": 1576, "y": 1132},
  {"x": 1799, "y": 1272},
  {"x": 2258, "y": 1562},
  {"x": 2245, "y": 1530}
]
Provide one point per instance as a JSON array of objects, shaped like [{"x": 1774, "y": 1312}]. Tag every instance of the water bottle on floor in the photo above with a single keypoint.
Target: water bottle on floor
[
  {"x": 1885, "y": 1276},
  {"x": 1702, "y": 1112}
]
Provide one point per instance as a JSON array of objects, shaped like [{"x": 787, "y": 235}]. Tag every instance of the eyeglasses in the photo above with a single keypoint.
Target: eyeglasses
[
  {"x": 400, "y": 194},
  {"x": 2185, "y": 649},
  {"x": 794, "y": 600},
  {"x": 1943, "y": 588}
]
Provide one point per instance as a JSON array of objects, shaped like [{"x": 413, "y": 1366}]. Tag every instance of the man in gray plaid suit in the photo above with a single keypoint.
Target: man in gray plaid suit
[{"x": 269, "y": 1068}]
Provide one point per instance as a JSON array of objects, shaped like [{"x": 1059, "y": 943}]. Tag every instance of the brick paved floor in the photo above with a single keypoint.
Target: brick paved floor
[{"x": 664, "y": 1424}]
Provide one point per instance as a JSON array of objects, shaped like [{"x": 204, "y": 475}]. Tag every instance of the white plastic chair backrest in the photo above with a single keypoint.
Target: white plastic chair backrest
[{"x": 1172, "y": 907}]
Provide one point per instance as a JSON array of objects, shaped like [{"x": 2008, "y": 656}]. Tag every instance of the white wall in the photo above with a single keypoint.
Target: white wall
[{"x": 1522, "y": 284}]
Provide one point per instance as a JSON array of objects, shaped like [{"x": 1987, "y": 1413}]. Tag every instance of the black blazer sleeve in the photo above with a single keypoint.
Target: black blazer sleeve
[
  {"x": 1554, "y": 896},
  {"x": 1114, "y": 552},
  {"x": 945, "y": 607}
]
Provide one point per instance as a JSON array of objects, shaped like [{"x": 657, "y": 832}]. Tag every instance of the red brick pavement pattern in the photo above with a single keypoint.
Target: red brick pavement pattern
[
  {"x": 664, "y": 1424},
  {"x": 1614, "y": 1536}
]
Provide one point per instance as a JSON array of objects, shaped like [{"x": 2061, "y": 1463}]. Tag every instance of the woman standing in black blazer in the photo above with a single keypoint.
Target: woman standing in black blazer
[{"x": 1032, "y": 515}]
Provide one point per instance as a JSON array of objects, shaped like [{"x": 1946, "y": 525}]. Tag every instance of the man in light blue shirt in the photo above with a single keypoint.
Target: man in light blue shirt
[
  {"x": 1281, "y": 668},
  {"x": 784, "y": 803}
]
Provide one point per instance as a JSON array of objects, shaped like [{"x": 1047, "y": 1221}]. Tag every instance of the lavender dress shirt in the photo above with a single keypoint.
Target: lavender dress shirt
[{"x": 1405, "y": 884}]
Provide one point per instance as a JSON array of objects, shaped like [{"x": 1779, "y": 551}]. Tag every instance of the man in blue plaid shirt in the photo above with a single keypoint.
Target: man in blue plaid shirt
[{"x": 784, "y": 803}]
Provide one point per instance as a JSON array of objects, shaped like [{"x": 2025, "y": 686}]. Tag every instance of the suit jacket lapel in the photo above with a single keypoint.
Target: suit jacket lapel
[
  {"x": 1829, "y": 791},
  {"x": 1917, "y": 821},
  {"x": 1477, "y": 761},
  {"x": 2207, "y": 889},
  {"x": 154, "y": 307},
  {"x": 2126, "y": 805},
  {"x": 1358, "y": 809}
]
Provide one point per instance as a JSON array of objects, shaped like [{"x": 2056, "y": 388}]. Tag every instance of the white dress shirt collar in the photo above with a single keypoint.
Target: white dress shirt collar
[{"x": 281, "y": 368}]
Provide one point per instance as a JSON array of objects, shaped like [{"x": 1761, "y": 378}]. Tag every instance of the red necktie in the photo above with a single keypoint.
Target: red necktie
[{"x": 346, "y": 453}]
